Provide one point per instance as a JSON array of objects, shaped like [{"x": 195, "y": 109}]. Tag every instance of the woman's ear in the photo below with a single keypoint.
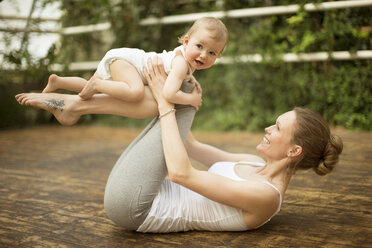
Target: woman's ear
[{"x": 295, "y": 151}]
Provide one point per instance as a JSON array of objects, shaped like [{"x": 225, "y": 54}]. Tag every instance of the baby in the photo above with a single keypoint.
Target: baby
[{"x": 119, "y": 73}]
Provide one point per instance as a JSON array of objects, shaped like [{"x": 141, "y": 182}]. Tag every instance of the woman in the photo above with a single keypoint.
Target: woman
[{"x": 239, "y": 192}]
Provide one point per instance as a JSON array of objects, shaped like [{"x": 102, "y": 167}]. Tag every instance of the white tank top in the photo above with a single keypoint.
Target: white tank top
[{"x": 176, "y": 208}]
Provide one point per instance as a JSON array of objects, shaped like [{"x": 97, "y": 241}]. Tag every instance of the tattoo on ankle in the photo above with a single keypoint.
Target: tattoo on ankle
[{"x": 55, "y": 104}]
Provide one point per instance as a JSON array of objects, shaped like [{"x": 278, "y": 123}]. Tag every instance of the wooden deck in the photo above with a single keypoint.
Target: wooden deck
[{"x": 52, "y": 182}]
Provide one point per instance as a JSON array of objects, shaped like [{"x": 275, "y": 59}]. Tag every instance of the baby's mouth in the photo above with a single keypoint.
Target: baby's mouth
[{"x": 198, "y": 62}]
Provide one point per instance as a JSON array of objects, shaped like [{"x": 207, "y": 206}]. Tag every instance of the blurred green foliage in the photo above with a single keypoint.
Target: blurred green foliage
[{"x": 239, "y": 96}]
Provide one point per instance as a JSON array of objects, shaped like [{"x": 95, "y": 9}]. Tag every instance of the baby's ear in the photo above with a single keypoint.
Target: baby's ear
[
  {"x": 186, "y": 39},
  {"x": 219, "y": 55}
]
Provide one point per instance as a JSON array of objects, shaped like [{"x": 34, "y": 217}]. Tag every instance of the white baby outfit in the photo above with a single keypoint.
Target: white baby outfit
[
  {"x": 138, "y": 58},
  {"x": 176, "y": 208}
]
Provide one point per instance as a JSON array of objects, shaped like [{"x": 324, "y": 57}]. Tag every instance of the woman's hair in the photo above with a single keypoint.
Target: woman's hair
[
  {"x": 215, "y": 27},
  {"x": 320, "y": 149}
]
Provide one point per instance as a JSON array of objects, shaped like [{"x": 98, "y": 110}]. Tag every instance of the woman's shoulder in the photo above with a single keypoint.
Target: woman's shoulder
[{"x": 267, "y": 205}]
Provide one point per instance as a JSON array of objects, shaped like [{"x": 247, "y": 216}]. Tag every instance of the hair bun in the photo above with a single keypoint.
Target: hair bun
[{"x": 330, "y": 156}]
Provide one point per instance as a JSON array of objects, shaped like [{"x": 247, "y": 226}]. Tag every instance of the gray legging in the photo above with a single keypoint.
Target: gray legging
[{"x": 138, "y": 174}]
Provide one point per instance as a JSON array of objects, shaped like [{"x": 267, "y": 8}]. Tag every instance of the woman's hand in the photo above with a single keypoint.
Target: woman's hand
[{"x": 156, "y": 76}]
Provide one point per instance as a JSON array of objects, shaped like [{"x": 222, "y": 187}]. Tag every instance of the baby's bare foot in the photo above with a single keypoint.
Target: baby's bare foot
[
  {"x": 51, "y": 86},
  {"x": 57, "y": 104},
  {"x": 89, "y": 90}
]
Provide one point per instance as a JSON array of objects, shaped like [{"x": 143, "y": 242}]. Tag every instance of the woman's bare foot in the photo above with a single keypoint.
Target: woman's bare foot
[
  {"x": 51, "y": 86},
  {"x": 59, "y": 105},
  {"x": 89, "y": 90}
]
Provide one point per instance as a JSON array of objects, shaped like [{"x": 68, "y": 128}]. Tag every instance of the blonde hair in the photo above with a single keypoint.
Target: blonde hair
[
  {"x": 320, "y": 149},
  {"x": 215, "y": 26}
]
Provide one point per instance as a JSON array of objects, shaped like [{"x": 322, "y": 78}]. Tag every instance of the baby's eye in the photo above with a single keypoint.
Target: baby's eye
[
  {"x": 212, "y": 53},
  {"x": 199, "y": 46}
]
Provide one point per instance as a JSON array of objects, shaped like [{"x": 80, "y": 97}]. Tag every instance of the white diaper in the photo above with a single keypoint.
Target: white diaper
[{"x": 137, "y": 57}]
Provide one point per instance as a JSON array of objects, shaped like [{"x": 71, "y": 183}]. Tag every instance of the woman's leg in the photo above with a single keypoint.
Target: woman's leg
[
  {"x": 141, "y": 168},
  {"x": 68, "y": 108},
  {"x": 138, "y": 174},
  {"x": 126, "y": 83}
]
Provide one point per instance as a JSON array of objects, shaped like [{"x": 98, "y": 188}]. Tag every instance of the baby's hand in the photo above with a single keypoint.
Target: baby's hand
[
  {"x": 196, "y": 98},
  {"x": 196, "y": 84}
]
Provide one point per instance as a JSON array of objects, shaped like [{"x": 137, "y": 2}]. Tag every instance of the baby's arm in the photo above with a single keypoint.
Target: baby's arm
[{"x": 173, "y": 83}]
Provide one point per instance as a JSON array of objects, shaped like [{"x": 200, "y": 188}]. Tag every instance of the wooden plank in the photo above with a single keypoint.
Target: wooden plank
[{"x": 51, "y": 194}]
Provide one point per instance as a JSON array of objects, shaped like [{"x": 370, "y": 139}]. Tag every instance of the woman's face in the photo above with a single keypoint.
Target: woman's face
[{"x": 276, "y": 143}]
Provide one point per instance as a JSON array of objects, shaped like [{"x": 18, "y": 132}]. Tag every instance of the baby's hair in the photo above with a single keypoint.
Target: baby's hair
[
  {"x": 320, "y": 148},
  {"x": 215, "y": 27}
]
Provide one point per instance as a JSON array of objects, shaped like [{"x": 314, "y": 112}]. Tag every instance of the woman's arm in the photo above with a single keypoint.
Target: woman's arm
[
  {"x": 208, "y": 155},
  {"x": 252, "y": 197}
]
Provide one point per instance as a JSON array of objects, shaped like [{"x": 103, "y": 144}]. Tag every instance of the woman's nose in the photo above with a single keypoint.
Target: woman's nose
[{"x": 267, "y": 130}]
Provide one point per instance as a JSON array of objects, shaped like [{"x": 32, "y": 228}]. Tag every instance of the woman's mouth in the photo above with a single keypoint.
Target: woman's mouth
[{"x": 266, "y": 140}]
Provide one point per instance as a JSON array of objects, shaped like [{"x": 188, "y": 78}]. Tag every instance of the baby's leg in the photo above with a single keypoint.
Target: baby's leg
[
  {"x": 126, "y": 83},
  {"x": 56, "y": 82}
]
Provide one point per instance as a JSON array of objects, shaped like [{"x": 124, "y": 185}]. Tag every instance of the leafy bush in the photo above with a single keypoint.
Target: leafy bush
[{"x": 246, "y": 96}]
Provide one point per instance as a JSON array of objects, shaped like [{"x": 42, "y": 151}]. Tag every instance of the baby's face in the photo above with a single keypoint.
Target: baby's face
[{"x": 202, "y": 50}]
